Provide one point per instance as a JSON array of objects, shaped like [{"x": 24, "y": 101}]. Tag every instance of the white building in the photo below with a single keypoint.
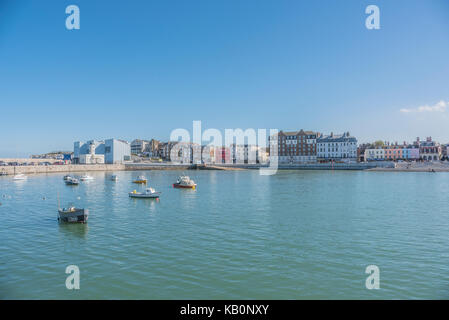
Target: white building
[
  {"x": 374, "y": 154},
  {"x": 342, "y": 147},
  {"x": 112, "y": 150},
  {"x": 207, "y": 155},
  {"x": 244, "y": 153},
  {"x": 138, "y": 146},
  {"x": 91, "y": 159}
]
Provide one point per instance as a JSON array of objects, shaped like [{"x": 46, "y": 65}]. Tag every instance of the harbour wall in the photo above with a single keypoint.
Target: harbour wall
[
  {"x": 232, "y": 166},
  {"x": 12, "y": 170},
  {"x": 305, "y": 166},
  {"x": 158, "y": 166}
]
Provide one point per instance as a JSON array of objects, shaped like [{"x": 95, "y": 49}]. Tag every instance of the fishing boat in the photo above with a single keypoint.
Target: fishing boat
[
  {"x": 184, "y": 182},
  {"x": 114, "y": 178},
  {"x": 20, "y": 176},
  {"x": 72, "y": 214},
  {"x": 141, "y": 180},
  {"x": 86, "y": 178},
  {"x": 72, "y": 181},
  {"x": 148, "y": 193}
]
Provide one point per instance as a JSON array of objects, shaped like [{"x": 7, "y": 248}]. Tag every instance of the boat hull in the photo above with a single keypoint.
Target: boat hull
[
  {"x": 181, "y": 186},
  {"x": 144, "y": 196},
  {"x": 76, "y": 216}
]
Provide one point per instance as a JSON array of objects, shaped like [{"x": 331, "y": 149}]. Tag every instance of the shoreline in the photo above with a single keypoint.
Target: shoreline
[
  {"x": 408, "y": 170},
  {"x": 13, "y": 170}
]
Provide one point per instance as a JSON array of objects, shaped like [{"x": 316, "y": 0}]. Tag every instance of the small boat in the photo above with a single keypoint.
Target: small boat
[
  {"x": 184, "y": 182},
  {"x": 66, "y": 177},
  {"x": 114, "y": 178},
  {"x": 141, "y": 180},
  {"x": 72, "y": 181},
  {"x": 20, "y": 176},
  {"x": 72, "y": 214},
  {"x": 149, "y": 193},
  {"x": 86, "y": 178}
]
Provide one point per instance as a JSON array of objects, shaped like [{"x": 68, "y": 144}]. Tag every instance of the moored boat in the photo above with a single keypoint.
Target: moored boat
[
  {"x": 72, "y": 214},
  {"x": 148, "y": 193},
  {"x": 184, "y": 182},
  {"x": 86, "y": 178},
  {"x": 141, "y": 180},
  {"x": 20, "y": 176},
  {"x": 72, "y": 181},
  {"x": 114, "y": 178}
]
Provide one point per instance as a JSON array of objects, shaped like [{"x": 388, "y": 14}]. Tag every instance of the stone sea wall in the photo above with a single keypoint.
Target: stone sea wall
[{"x": 12, "y": 170}]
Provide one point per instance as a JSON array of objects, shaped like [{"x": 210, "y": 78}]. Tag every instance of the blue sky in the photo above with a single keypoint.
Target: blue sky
[{"x": 139, "y": 69}]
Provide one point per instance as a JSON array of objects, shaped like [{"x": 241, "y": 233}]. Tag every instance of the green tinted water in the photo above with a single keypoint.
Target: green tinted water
[{"x": 239, "y": 235}]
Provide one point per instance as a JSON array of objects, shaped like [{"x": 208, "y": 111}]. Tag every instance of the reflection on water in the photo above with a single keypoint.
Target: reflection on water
[{"x": 73, "y": 230}]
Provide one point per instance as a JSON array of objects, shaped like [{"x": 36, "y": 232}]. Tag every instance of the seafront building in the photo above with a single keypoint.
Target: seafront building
[
  {"x": 110, "y": 151},
  {"x": 340, "y": 147},
  {"x": 294, "y": 146},
  {"x": 446, "y": 152},
  {"x": 138, "y": 146},
  {"x": 288, "y": 147},
  {"x": 152, "y": 148},
  {"x": 248, "y": 153},
  {"x": 410, "y": 152},
  {"x": 222, "y": 155},
  {"x": 393, "y": 153},
  {"x": 377, "y": 154},
  {"x": 429, "y": 150}
]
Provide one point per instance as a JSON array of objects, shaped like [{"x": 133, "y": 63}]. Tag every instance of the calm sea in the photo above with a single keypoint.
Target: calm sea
[{"x": 294, "y": 235}]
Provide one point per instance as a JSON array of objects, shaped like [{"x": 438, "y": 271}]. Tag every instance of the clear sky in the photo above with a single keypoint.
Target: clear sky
[{"x": 139, "y": 69}]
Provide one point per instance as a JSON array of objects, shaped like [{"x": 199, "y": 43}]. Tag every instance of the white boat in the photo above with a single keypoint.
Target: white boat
[
  {"x": 20, "y": 176},
  {"x": 185, "y": 182},
  {"x": 72, "y": 181},
  {"x": 86, "y": 178},
  {"x": 114, "y": 178},
  {"x": 149, "y": 193}
]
